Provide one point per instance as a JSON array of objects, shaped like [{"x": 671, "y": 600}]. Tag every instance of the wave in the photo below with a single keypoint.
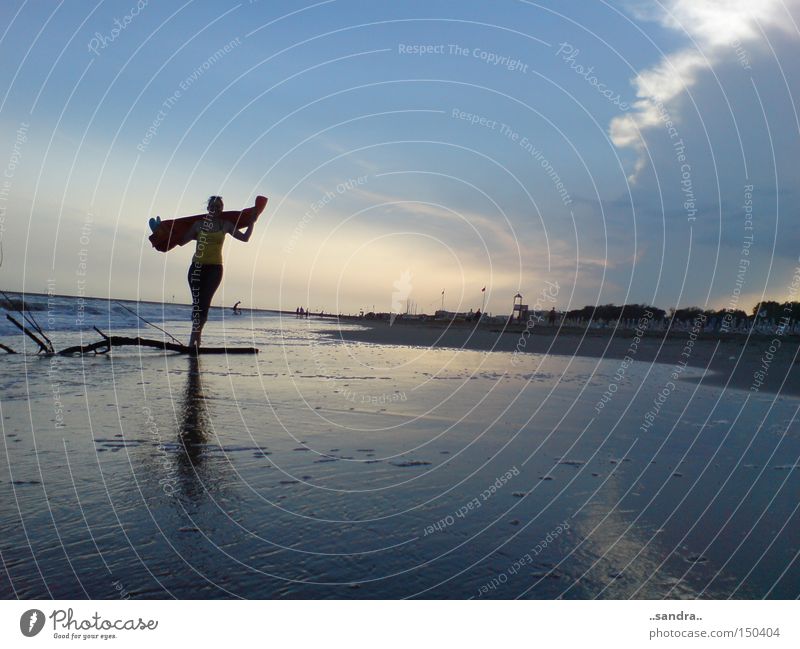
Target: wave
[{"x": 13, "y": 304}]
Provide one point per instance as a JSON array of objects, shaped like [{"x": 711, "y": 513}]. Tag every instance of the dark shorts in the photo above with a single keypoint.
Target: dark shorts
[{"x": 204, "y": 280}]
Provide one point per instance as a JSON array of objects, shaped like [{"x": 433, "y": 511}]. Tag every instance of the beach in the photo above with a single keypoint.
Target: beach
[
  {"x": 332, "y": 467},
  {"x": 744, "y": 362}
]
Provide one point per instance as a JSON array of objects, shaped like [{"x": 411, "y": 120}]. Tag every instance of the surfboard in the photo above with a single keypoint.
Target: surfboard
[{"x": 169, "y": 233}]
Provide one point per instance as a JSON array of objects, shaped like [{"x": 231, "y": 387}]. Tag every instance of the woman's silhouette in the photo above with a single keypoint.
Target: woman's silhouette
[{"x": 205, "y": 271}]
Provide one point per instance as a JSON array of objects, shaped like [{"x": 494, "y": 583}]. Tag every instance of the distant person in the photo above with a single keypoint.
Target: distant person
[
  {"x": 236, "y": 309},
  {"x": 297, "y": 312},
  {"x": 301, "y": 312},
  {"x": 205, "y": 271},
  {"x": 552, "y": 318}
]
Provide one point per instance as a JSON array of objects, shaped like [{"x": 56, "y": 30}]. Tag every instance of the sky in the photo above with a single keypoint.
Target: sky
[{"x": 575, "y": 152}]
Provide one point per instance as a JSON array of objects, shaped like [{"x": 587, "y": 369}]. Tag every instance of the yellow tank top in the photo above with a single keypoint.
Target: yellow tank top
[{"x": 209, "y": 247}]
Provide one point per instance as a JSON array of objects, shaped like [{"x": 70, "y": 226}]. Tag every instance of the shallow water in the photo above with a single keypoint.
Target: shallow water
[{"x": 327, "y": 469}]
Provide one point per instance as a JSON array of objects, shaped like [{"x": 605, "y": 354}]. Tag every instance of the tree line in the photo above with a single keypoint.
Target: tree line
[{"x": 768, "y": 310}]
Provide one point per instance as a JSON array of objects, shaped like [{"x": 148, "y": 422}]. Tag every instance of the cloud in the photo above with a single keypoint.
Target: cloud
[
  {"x": 488, "y": 230},
  {"x": 718, "y": 23},
  {"x": 715, "y": 27}
]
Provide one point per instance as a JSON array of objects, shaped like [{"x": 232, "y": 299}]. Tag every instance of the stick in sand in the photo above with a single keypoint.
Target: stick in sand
[
  {"x": 31, "y": 321},
  {"x": 177, "y": 342},
  {"x": 26, "y": 331}
]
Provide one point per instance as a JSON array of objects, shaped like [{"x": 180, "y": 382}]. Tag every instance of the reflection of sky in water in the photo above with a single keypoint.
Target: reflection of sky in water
[{"x": 336, "y": 470}]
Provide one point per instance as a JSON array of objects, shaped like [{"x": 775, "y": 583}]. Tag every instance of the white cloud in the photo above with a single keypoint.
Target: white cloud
[
  {"x": 715, "y": 27},
  {"x": 717, "y": 23}
]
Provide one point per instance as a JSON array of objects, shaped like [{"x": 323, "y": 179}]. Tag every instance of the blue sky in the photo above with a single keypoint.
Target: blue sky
[{"x": 323, "y": 105}]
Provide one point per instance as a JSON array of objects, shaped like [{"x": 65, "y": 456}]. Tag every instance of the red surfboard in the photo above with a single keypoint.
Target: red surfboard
[{"x": 171, "y": 232}]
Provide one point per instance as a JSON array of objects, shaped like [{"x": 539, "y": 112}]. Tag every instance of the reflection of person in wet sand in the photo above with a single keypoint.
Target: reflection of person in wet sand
[
  {"x": 196, "y": 474},
  {"x": 194, "y": 422}
]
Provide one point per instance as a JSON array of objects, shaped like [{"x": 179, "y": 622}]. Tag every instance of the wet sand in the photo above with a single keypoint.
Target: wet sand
[
  {"x": 736, "y": 361},
  {"x": 321, "y": 469}
]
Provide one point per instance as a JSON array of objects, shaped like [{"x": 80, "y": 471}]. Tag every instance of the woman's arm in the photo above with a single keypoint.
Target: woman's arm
[{"x": 238, "y": 234}]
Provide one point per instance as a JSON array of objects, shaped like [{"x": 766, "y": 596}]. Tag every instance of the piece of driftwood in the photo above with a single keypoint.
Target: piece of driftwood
[
  {"x": 42, "y": 347},
  {"x": 28, "y": 316},
  {"x": 108, "y": 342}
]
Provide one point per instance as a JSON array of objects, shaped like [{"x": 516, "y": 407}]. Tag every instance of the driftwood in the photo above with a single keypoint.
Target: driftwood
[
  {"x": 105, "y": 345},
  {"x": 27, "y": 316},
  {"x": 42, "y": 347}
]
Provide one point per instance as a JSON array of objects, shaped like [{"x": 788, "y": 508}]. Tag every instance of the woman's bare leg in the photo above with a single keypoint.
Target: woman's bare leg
[
  {"x": 204, "y": 284},
  {"x": 197, "y": 332}
]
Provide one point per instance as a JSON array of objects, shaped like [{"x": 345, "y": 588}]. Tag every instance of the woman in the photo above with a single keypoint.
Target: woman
[{"x": 205, "y": 271}]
